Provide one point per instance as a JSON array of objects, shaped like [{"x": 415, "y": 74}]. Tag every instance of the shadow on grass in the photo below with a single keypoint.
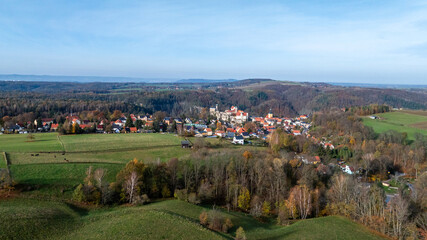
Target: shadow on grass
[
  {"x": 279, "y": 235},
  {"x": 224, "y": 235},
  {"x": 39, "y": 140},
  {"x": 79, "y": 210}
]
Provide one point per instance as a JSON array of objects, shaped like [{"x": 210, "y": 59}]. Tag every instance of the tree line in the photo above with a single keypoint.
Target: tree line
[
  {"x": 262, "y": 184},
  {"x": 284, "y": 100}
]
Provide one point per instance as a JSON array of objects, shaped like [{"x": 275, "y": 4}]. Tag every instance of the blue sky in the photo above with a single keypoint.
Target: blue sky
[{"x": 375, "y": 41}]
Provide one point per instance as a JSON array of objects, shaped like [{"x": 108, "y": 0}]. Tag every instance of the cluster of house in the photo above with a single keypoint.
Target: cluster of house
[
  {"x": 323, "y": 142},
  {"x": 296, "y": 126},
  {"x": 16, "y": 128},
  {"x": 227, "y": 124},
  {"x": 315, "y": 160},
  {"x": 327, "y": 144},
  {"x": 44, "y": 124},
  {"x": 231, "y": 123}
]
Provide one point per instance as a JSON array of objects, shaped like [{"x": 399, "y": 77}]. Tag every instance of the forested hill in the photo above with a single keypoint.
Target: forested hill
[{"x": 254, "y": 95}]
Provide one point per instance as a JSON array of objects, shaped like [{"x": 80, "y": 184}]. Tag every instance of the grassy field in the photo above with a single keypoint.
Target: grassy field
[
  {"x": 171, "y": 219},
  {"x": 118, "y": 148},
  {"x": 410, "y": 122},
  {"x": 54, "y": 165}
]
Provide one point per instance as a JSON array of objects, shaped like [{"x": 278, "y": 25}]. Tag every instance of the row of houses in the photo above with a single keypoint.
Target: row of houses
[{"x": 228, "y": 124}]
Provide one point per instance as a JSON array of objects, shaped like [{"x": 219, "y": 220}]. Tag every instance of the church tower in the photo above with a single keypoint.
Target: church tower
[{"x": 270, "y": 114}]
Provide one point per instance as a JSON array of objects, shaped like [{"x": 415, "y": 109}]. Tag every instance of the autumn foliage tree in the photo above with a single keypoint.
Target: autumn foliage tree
[
  {"x": 130, "y": 180},
  {"x": 244, "y": 199}
]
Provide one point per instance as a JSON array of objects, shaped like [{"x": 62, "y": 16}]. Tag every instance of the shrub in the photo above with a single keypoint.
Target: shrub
[
  {"x": 78, "y": 194},
  {"x": 192, "y": 198},
  {"x": 166, "y": 192},
  {"x": 203, "y": 217},
  {"x": 181, "y": 194},
  {"x": 283, "y": 216},
  {"x": 141, "y": 200},
  {"x": 227, "y": 225},
  {"x": 266, "y": 208},
  {"x": 215, "y": 220},
  {"x": 240, "y": 234}
]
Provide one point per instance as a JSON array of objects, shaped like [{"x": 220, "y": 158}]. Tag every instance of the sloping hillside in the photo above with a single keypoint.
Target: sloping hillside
[{"x": 171, "y": 219}]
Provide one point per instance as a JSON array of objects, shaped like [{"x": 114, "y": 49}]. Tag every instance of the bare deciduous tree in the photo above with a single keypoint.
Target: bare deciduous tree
[
  {"x": 398, "y": 214},
  {"x": 99, "y": 175},
  {"x": 131, "y": 186}
]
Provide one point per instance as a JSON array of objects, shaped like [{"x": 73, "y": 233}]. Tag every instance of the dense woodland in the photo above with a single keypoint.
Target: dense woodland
[{"x": 44, "y": 100}]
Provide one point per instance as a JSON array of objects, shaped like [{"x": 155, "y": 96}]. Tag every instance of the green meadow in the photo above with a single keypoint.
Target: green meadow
[
  {"x": 90, "y": 147},
  {"x": 410, "y": 122},
  {"x": 169, "y": 219},
  {"x": 54, "y": 165}
]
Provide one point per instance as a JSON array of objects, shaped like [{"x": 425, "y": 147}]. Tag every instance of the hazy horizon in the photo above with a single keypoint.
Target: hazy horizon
[
  {"x": 379, "y": 42},
  {"x": 123, "y": 79}
]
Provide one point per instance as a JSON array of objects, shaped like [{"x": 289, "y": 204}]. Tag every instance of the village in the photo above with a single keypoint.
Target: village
[{"x": 232, "y": 124}]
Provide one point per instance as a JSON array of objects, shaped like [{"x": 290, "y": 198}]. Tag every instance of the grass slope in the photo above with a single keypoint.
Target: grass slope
[
  {"x": 170, "y": 219},
  {"x": 139, "y": 223},
  {"x": 400, "y": 121},
  {"x": 32, "y": 219}
]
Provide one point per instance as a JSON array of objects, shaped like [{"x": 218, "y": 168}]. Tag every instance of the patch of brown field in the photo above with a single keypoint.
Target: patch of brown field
[
  {"x": 420, "y": 125},
  {"x": 415, "y": 112}
]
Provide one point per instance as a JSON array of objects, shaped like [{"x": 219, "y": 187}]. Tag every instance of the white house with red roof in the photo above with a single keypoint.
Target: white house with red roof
[
  {"x": 208, "y": 131},
  {"x": 120, "y": 122},
  {"x": 296, "y": 132},
  {"x": 347, "y": 169}
]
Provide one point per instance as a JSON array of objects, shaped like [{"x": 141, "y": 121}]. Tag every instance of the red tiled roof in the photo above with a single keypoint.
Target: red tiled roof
[{"x": 230, "y": 130}]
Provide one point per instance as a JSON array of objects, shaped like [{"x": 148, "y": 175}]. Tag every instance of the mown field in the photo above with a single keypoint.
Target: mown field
[
  {"x": 55, "y": 164},
  {"x": 410, "y": 122},
  {"x": 170, "y": 219}
]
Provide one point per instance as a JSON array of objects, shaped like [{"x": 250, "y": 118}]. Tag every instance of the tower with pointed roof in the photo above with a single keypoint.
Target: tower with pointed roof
[{"x": 270, "y": 114}]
